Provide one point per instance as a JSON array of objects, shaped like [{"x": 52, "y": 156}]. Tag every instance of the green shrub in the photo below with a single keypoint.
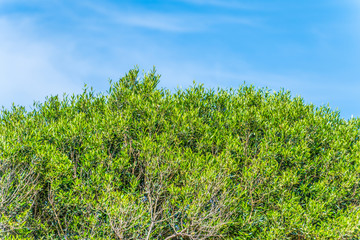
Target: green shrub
[{"x": 143, "y": 163}]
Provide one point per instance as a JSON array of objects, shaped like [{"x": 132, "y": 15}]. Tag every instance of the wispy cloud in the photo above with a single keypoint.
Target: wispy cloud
[
  {"x": 178, "y": 21},
  {"x": 158, "y": 21},
  {"x": 221, "y": 3},
  {"x": 29, "y": 67}
]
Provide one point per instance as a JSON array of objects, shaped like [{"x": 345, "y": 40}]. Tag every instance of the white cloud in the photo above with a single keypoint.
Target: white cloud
[
  {"x": 157, "y": 21},
  {"x": 178, "y": 22},
  {"x": 164, "y": 21},
  {"x": 28, "y": 66},
  {"x": 221, "y": 3}
]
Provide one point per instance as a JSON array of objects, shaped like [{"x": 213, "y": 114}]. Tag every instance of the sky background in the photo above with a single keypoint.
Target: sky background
[{"x": 312, "y": 48}]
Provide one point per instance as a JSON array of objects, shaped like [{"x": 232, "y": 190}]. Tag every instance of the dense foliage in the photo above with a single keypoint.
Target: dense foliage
[{"x": 143, "y": 163}]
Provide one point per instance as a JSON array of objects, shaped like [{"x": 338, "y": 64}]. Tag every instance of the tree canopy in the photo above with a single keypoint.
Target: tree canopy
[{"x": 139, "y": 162}]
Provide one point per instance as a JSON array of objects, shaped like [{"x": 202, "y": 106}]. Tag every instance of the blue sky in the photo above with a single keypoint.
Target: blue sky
[{"x": 311, "y": 48}]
